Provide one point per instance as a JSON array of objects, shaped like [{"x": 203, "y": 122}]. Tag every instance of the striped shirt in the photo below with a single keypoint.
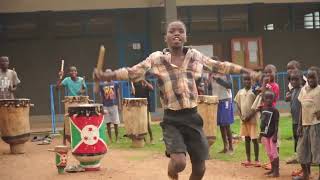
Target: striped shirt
[{"x": 177, "y": 85}]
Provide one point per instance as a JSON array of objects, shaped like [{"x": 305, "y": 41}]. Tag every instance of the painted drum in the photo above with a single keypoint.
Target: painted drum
[
  {"x": 208, "y": 108},
  {"x": 88, "y": 135},
  {"x": 14, "y": 123},
  {"x": 61, "y": 157},
  {"x": 69, "y": 101},
  {"x": 135, "y": 117}
]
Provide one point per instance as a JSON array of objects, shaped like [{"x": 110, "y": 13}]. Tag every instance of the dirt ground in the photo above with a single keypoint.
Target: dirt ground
[{"x": 117, "y": 164}]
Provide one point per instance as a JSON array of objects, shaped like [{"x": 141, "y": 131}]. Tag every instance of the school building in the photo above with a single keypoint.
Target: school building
[{"x": 37, "y": 34}]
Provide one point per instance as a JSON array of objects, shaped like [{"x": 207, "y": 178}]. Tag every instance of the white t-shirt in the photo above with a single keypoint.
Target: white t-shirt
[{"x": 8, "y": 79}]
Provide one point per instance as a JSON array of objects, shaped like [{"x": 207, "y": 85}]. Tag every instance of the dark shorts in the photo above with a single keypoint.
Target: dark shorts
[
  {"x": 182, "y": 133},
  {"x": 308, "y": 149},
  {"x": 225, "y": 112}
]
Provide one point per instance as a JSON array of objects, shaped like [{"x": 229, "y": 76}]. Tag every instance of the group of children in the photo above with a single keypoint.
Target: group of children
[
  {"x": 256, "y": 99},
  {"x": 177, "y": 68},
  {"x": 110, "y": 95},
  {"x": 260, "y": 100}
]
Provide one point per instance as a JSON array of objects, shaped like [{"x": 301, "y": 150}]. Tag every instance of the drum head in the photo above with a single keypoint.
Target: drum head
[
  {"x": 15, "y": 102},
  {"x": 134, "y": 102},
  {"x": 85, "y": 109}
]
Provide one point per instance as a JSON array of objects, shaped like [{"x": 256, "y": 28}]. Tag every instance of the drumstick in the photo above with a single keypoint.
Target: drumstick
[
  {"x": 62, "y": 67},
  {"x": 99, "y": 67}
]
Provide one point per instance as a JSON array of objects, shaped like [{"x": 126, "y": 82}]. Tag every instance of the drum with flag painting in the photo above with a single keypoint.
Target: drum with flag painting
[
  {"x": 61, "y": 157},
  {"x": 14, "y": 123},
  {"x": 88, "y": 135},
  {"x": 135, "y": 117},
  {"x": 69, "y": 101},
  {"x": 208, "y": 108}
]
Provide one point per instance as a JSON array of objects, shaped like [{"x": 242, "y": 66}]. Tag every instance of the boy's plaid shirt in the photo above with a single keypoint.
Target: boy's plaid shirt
[{"x": 177, "y": 85}]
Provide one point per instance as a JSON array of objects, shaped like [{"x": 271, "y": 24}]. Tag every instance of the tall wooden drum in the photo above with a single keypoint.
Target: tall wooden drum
[
  {"x": 14, "y": 123},
  {"x": 69, "y": 101},
  {"x": 208, "y": 108},
  {"x": 135, "y": 117},
  {"x": 88, "y": 135}
]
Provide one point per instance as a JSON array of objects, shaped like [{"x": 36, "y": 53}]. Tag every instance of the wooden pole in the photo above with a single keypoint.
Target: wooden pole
[{"x": 99, "y": 67}]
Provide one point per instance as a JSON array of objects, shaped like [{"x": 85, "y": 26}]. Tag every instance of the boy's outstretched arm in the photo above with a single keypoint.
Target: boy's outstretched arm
[{"x": 134, "y": 73}]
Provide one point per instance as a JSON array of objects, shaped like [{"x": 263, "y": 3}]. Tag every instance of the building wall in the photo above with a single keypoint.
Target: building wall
[
  {"x": 36, "y": 54},
  {"x": 70, "y": 5}
]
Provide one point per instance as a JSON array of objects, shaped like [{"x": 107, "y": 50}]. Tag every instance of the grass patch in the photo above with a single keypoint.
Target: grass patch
[{"x": 286, "y": 148}]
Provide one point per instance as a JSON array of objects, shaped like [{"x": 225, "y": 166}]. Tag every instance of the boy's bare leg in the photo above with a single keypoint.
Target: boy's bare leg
[
  {"x": 248, "y": 148},
  {"x": 224, "y": 139},
  {"x": 256, "y": 149},
  {"x": 177, "y": 164},
  {"x": 109, "y": 131},
  {"x": 198, "y": 170},
  {"x": 229, "y": 135},
  {"x": 116, "y": 131},
  {"x": 150, "y": 133}
]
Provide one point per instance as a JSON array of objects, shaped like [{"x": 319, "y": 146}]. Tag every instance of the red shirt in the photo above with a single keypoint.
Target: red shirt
[{"x": 274, "y": 87}]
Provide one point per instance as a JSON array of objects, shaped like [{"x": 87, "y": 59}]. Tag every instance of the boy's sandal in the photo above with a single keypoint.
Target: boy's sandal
[
  {"x": 174, "y": 178},
  {"x": 74, "y": 169},
  {"x": 38, "y": 138},
  {"x": 297, "y": 172},
  {"x": 267, "y": 166},
  {"x": 45, "y": 141},
  {"x": 256, "y": 164},
  {"x": 246, "y": 163}
]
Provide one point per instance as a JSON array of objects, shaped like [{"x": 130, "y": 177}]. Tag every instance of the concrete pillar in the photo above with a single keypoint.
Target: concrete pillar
[{"x": 171, "y": 10}]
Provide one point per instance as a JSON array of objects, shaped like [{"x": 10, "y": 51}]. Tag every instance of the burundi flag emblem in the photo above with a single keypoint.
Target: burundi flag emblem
[
  {"x": 61, "y": 159},
  {"x": 88, "y": 135}
]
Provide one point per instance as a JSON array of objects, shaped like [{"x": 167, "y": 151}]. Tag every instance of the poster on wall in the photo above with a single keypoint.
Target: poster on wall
[{"x": 205, "y": 49}]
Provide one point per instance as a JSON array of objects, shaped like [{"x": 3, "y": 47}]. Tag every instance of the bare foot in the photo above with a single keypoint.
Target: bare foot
[{"x": 223, "y": 151}]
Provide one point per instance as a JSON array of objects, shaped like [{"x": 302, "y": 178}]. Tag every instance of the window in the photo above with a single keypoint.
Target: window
[
  {"x": 235, "y": 18},
  {"x": 204, "y": 19},
  {"x": 134, "y": 20},
  {"x": 307, "y": 17},
  {"x": 182, "y": 15},
  {"x": 68, "y": 25},
  {"x": 269, "y": 27},
  {"x": 100, "y": 24},
  {"x": 247, "y": 52},
  {"x": 312, "y": 20}
]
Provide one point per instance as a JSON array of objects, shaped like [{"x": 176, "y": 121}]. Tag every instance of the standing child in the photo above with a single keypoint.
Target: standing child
[
  {"x": 244, "y": 100},
  {"x": 309, "y": 125},
  {"x": 75, "y": 85},
  {"x": 8, "y": 79},
  {"x": 295, "y": 78},
  {"x": 292, "y": 66},
  {"x": 177, "y": 68},
  {"x": 269, "y": 131},
  {"x": 268, "y": 83},
  {"x": 110, "y": 99},
  {"x": 142, "y": 89},
  {"x": 221, "y": 87}
]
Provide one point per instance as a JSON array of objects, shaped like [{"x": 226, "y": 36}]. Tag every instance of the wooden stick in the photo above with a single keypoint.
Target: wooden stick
[
  {"x": 99, "y": 67},
  {"x": 62, "y": 67}
]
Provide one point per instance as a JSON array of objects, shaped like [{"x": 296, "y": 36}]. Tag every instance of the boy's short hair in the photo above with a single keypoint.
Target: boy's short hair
[
  {"x": 245, "y": 75},
  {"x": 295, "y": 63},
  {"x": 267, "y": 92},
  {"x": 174, "y": 21},
  {"x": 296, "y": 72},
  {"x": 316, "y": 69},
  {"x": 272, "y": 67},
  {"x": 4, "y": 57},
  {"x": 72, "y": 67}
]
